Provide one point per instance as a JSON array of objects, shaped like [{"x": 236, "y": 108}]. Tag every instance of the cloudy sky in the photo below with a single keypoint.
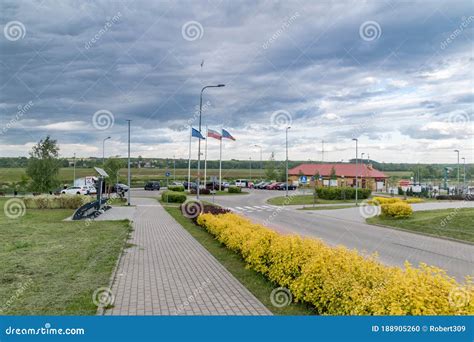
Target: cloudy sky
[{"x": 397, "y": 75}]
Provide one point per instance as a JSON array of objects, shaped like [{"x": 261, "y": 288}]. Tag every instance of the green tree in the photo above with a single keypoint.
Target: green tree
[
  {"x": 43, "y": 165},
  {"x": 112, "y": 166},
  {"x": 333, "y": 173}
]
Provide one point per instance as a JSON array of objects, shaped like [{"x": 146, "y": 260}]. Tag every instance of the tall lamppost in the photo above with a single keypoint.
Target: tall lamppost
[
  {"x": 74, "y": 172},
  {"x": 103, "y": 150},
  {"x": 362, "y": 173},
  {"x": 457, "y": 151},
  {"x": 128, "y": 165},
  {"x": 250, "y": 168},
  {"x": 174, "y": 168},
  {"x": 464, "y": 173},
  {"x": 357, "y": 168},
  {"x": 286, "y": 185},
  {"x": 261, "y": 163},
  {"x": 199, "y": 143}
]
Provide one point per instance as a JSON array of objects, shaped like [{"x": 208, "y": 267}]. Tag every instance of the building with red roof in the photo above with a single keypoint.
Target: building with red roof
[{"x": 340, "y": 174}]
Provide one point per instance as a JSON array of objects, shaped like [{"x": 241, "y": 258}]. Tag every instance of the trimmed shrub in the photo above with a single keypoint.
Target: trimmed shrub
[
  {"x": 414, "y": 200},
  {"x": 384, "y": 200},
  {"x": 456, "y": 197},
  {"x": 173, "y": 196},
  {"x": 338, "y": 281},
  {"x": 397, "y": 210},
  {"x": 337, "y": 193},
  {"x": 56, "y": 202},
  {"x": 234, "y": 189},
  {"x": 177, "y": 188}
]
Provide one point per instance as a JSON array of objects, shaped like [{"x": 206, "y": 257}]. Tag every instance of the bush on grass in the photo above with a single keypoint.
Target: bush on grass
[
  {"x": 397, "y": 210},
  {"x": 173, "y": 196},
  {"x": 338, "y": 193},
  {"x": 234, "y": 189},
  {"x": 56, "y": 202},
  {"x": 336, "y": 280},
  {"x": 177, "y": 188}
]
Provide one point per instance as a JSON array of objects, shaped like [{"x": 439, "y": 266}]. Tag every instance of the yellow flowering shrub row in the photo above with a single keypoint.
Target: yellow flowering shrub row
[
  {"x": 336, "y": 280},
  {"x": 387, "y": 200},
  {"x": 397, "y": 210}
]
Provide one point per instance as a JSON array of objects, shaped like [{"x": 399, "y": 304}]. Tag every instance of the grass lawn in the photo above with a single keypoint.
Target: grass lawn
[
  {"x": 329, "y": 207},
  {"x": 451, "y": 223},
  {"x": 52, "y": 267},
  {"x": 253, "y": 281},
  {"x": 303, "y": 199}
]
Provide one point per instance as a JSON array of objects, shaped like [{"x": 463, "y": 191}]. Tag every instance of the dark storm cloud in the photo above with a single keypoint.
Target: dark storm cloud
[{"x": 308, "y": 58}]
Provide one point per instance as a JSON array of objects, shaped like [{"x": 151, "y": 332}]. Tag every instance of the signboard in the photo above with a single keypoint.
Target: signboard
[
  {"x": 303, "y": 179},
  {"x": 167, "y": 174}
]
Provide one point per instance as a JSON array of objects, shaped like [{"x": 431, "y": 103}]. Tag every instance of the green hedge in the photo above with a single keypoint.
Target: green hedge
[
  {"x": 337, "y": 193},
  {"x": 173, "y": 196},
  {"x": 56, "y": 202},
  {"x": 177, "y": 188},
  {"x": 234, "y": 189}
]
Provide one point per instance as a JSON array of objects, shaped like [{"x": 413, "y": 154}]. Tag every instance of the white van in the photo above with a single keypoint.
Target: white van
[{"x": 242, "y": 183}]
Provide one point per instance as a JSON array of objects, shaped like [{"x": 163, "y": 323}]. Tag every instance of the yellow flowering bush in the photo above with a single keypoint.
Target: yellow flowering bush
[
  {"x": 397, "y": 210},
  {"x": 384, "y": 200},
  {"x": 339, "y": 281}
]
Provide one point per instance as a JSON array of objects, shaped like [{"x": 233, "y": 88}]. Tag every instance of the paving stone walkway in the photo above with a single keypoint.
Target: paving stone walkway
[{"x": 167, "y": 272}]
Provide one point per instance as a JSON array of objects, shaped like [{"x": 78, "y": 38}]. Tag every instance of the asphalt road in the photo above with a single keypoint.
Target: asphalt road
[{"x": 347, "y": 227}]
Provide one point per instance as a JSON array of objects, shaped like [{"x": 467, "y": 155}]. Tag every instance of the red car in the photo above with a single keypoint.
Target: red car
[{"x": 272, "y": 186}]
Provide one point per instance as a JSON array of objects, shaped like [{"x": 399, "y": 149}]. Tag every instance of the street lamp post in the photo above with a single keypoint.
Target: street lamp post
[
  {"x": 464, "y": 173},
  {"x": 103, "y": 150},
  {"x": 357, "y": 168},
  {"x": 250, "y": 168},
  {"x": 74, "y": 172},
  {"x": 286, "y": 185},
  {"x": 128, "y": 166},
  {"x": 199, "y": 143},
  {"x": 174, "y": 168},
  {"x": 362, "y": 173},
  {"x": 457, "y": 151}
]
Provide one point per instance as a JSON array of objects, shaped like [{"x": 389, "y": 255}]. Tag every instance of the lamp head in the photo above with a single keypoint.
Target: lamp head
[{"x": 221, "y": 85}]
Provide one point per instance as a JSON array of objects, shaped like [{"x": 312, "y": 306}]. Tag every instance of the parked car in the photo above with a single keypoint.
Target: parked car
[
  {"x": 191, "y": 185},
  {"x": 225, "y": 185},
  {"x": 272, "y": 186},
  {"x": 77, "y": 190},
  {"x": 177, "y": 183},
  {"x": 119, "y": 187},
  {"x": 263, "y": 185},
  {"x": 152, "y": 185},
  {"x": 282, "y": 186},
  {"x": 243, "y": 183},
  {"x": 212, "y": 185}
]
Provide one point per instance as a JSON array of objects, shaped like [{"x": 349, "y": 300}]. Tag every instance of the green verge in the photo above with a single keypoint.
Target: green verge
[
  {"x": 52, "y": 267},
  {"x": 303, "y": 199},
  {"x": 255, "y": 282},
  {"x": 328, "y": 207},
  {"x": 456, "y": 223}
]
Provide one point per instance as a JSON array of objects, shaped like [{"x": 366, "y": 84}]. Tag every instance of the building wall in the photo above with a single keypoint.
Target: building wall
[{"x": 364, "y": 182}]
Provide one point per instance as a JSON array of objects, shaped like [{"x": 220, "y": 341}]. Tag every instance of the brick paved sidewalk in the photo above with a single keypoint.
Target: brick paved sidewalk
[{"x": 168, "y": 272}]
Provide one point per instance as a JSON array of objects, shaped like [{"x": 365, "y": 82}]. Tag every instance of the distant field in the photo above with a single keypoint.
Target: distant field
[
  {"x": 402, "y": 174},
  {"x": 8, "y": 175}
]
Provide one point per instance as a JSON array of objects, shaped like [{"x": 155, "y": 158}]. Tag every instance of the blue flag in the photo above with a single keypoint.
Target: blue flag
[
  {"x": 197, "y": 134},
  {"x": 227, "y": 135}
]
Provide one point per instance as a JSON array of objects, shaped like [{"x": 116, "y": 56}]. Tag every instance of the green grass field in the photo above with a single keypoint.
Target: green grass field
[
  {"x": 253, "y": 281},
  {"x": 52, "y": 267},
  {"x": 452, "y": 223},
  {"x": 8, "y": 175}
]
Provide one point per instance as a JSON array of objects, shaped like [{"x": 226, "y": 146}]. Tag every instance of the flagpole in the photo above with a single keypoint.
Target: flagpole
[
  {"x": 220, "y": 165},
  {"x": 189, "y": 161},
  {"x": 205, "y": 157}
]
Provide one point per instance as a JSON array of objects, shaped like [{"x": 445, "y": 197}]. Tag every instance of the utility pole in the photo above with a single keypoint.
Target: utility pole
[
  {"x": 128, "y": 166},
  {"x": 286, "y": 185},
  {"x": 357, "y": 168},
  {"x": 74, "y": 172},
  {"x": 322, "y": 151}
]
